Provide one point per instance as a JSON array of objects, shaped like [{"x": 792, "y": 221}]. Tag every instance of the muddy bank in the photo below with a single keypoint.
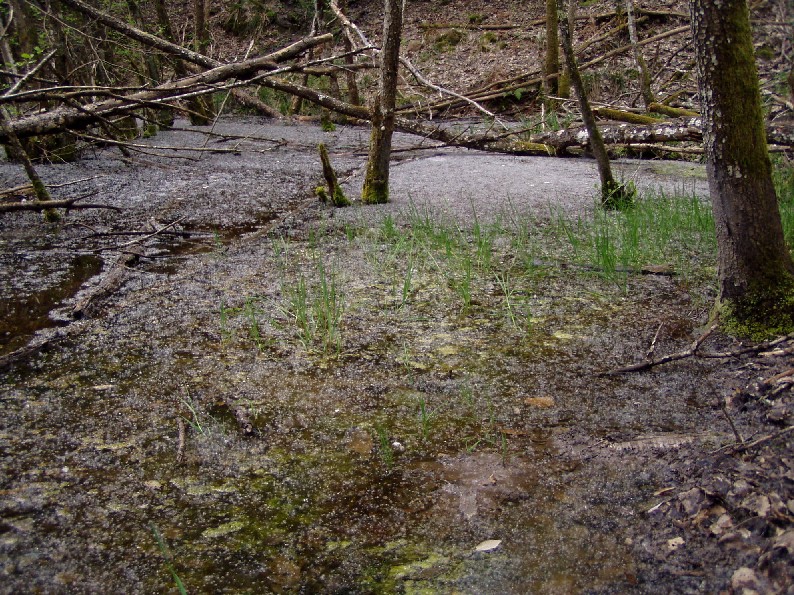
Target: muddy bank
[{"x": 415, "y": 384}]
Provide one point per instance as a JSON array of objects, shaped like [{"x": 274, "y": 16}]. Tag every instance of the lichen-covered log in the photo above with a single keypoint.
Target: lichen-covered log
[
  {"x": 675, "y": 112},
  {"x": 623, "y": 116}
]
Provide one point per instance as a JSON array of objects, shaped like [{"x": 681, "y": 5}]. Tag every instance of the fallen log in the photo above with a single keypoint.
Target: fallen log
[
  {"x": 206, "y": 82},
  {"x": 609, "y": 15},
  {"x": 470, "y": 26},
  {"x": 502, "y": 88},
  {"x": 675, "y": 112},
  {"x": 170, "y": 48},
  {"x": 47, "y": 205},
  {"x": 41, "y": 342},
  {"x": 44, "y": 205},
  {"x": 623, "y": 116},
  {"x": 88, "y": 304},
  {"x": 625, "y": 134}
]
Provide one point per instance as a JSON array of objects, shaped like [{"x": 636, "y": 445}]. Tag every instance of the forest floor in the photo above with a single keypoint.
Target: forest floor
[
  {"x": 280, "y": 396},
  {"x": 298, "y": 398}
]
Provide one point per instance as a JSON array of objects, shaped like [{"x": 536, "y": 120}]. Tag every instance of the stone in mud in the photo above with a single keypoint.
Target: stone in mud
[{"x": 745, "y": 581}]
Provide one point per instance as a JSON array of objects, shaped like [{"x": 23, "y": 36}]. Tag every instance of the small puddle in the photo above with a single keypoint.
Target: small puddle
[
  {"x": 22, "y": 315},
  {"x": 214, "y": 239}
]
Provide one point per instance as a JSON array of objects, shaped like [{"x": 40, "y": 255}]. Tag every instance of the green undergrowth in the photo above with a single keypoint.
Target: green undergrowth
[
  {"x": 783, "y": 178},
  {"x": 422, "y": 263}
]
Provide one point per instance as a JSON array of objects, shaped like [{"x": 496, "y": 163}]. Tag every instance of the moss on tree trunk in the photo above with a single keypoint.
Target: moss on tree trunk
[
  {"x": 376, "y": 182},
  {"x": 756, "y": 273}
]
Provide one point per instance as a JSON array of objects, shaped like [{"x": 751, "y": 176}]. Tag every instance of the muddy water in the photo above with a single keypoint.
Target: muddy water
[{"x": 379, "y": 459}]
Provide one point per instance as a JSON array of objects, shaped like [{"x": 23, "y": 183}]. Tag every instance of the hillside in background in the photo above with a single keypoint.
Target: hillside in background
[{"x": 471, "y": 45}]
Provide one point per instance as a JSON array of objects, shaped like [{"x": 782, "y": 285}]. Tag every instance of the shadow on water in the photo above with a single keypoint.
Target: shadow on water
[{"x": 23, "y": 314}]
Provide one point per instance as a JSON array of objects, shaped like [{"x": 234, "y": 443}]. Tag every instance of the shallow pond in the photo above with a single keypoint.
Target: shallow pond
[{"x": 412, "y": 390}]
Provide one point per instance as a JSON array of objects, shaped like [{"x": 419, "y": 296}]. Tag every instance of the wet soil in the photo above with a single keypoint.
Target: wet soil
[{"x": 301, "y": 399}]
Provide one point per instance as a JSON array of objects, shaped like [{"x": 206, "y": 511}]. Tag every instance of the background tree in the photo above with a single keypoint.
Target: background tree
[
  {"x": 376, "y": 182},
  {"x": 645, "y": 75},
  {"x": 201, "y": 107},
  {"x": 564, "y": 82},
  {"x": 613, "y": 194},
  {"x": 552, "y": 64},
  {"x": 756, "y": 273}
]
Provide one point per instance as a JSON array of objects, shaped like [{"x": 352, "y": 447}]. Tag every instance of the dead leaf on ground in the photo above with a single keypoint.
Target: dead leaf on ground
[
  {"x": 540, "y": 402},
  {"x": 721, "y": 525},
  {"x": 674, "y": 543},
  {"x": 488, "y": 545},
  {"x": 758, "y": 504},
  {"x": 691, "y": 500},
  {"x": 786, "y": 542}
]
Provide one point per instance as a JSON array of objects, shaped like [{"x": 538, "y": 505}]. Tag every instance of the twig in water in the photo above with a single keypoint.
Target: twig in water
[
  {"x": 736, "y": 433},
  {"x": 151, "y": 235},
  {"x": 652, "y": 349},
  {"x": 180, "y": 447},
  {"x": 647, "y": 365},
  {"x": 763, "y": 440}
]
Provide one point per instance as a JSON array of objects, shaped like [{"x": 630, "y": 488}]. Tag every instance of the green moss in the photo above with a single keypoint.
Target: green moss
[
  {"x": 375, "y": 192},
  {"x": 618, "y": 197},
  {"x": 150, "y": 130},
  {"x": 446, "y": 41},
  {"x": 536, "y": 148},
  {"x": 761, "y": 314},
  {"x": 326, "y": 124},
  {"x": 339, "y": 198}
]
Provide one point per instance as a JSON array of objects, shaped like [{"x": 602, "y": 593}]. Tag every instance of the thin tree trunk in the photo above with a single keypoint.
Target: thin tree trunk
[
  {"x": 201, "y": 112},
  {"x": 155, "y": 118},
  {"x": 376, "y": 182},
  {"x": 39, "y": 189},
  {"x": 552, "y": 63},
  {"x": 612, "y": 193},
  {"x": 564, "y": 83},
  {"x": 353, "y": 95},
  {"x": 202, "y": 33},
  {"x": 335, "y": 193},
  {"x": 756, "y": 273},
  {"x": 25, "y": 27},
  {"x": 645, "y": 75},
  {"x": 296, "y": 105}
]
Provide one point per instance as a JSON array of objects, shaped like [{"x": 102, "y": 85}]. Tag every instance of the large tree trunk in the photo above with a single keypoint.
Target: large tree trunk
[
  {"x": 756, "y": 273},
  {"x": 612, "y": 193},
  {"x": 376, "y": 182}
]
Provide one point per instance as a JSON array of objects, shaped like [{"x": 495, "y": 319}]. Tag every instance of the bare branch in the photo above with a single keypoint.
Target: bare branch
[{"x": 423, "y": 81}]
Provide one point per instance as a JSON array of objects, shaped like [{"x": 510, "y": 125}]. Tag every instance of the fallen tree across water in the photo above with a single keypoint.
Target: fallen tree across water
[
  {"x": 216, "y": 76},
  {"x": 209, "y": 81}
]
